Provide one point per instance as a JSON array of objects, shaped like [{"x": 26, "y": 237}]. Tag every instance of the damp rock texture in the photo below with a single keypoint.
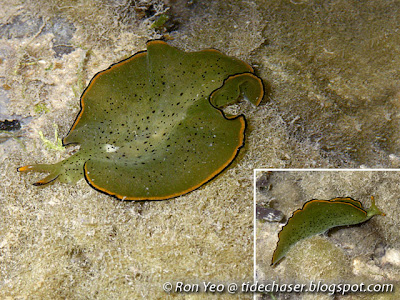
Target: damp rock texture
[
  {"x": 361, "y": 253},
  {"x": 331, "y": 72},
  {"x": 333, "y": 69}
]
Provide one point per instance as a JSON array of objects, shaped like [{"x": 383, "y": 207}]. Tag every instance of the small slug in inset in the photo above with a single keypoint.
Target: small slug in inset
[{"x": 318, "y": 216}]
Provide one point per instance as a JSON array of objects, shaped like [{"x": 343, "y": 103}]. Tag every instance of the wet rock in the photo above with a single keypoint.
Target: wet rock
[
  {"x": 12, "y": 125},
  {"x": 20, "y": 27},
  {"x": 25, "y": 26},
  {"x": 268, "y": 214},
  {"x": 63, "y": 31},
  {"x": 262, "y": 182}
]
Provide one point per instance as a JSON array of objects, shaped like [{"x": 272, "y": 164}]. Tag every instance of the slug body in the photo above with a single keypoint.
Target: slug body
[
  {"x": 318, "y": 216},
  {"x": 151, "y": 127}
]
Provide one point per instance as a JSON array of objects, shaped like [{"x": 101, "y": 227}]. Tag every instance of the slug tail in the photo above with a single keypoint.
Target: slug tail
[
  {"x": 374, "y": 210},
  {"x": 52, "y": 169}
]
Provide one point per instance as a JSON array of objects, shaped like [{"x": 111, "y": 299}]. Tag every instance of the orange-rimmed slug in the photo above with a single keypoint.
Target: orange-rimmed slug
[
  {"x": 151, "y": 127},
  {"x": 318, "y": 216}
]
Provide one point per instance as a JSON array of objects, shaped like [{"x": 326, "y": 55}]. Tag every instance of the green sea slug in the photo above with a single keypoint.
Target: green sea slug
[
  {"x": 151, "y": 127},
  {"x": 318, "y": 216}
]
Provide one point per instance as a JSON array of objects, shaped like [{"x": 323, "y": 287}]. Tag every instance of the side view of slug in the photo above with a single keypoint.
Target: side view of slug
[{"x": 318, "y": 216}]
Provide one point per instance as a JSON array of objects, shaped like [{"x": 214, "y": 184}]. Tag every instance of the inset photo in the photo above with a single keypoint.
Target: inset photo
[{"x": 321, "y": 234}]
